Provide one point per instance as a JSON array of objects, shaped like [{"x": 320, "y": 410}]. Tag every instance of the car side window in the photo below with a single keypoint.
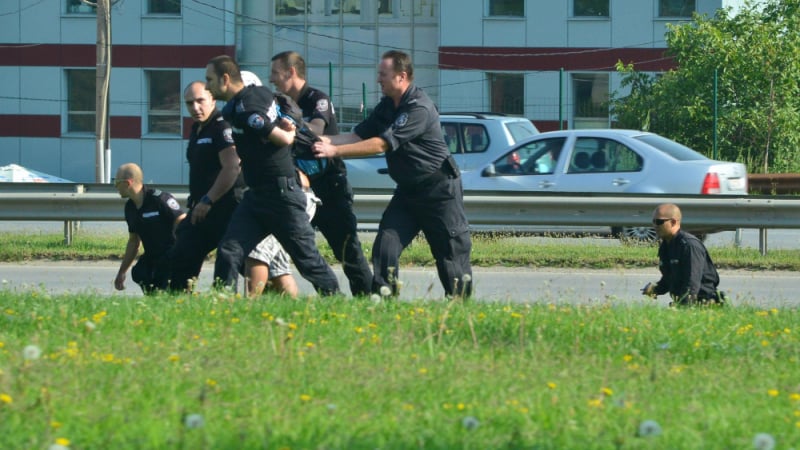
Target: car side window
[
  {"x": 475, "y": 138},
  {"x": 623, "y": 159},
  {"x": 450, "y": 133},
  {"x": 603, "y": 155},
  {"x": 535, "y": 158}
]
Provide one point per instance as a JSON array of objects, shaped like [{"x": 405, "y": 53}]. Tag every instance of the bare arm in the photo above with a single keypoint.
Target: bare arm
[
  {"x": 349, "y": 145},
  {"x": 131, "y": 251},
  {"x": 282, "y": 137}
]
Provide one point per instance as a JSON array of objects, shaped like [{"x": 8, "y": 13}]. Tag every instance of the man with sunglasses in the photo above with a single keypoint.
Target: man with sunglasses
[{"x": 687, "y": 272}]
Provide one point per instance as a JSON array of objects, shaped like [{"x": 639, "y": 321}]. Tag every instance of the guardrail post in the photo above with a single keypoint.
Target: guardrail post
[
  {"x": 762, "y": 241},
  {"x": 737, "y": 238},
  {"x": 69, "y": 226}
]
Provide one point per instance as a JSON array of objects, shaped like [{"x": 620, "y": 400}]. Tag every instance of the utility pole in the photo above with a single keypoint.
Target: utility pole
[{"x": 102, "y": 87}]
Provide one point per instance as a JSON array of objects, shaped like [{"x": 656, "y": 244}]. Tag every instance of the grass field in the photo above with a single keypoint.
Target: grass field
[{"x": 220, "y": 372}]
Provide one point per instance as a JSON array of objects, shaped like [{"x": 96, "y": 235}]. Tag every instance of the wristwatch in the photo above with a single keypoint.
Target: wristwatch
[{"x": 206, "y": 200}]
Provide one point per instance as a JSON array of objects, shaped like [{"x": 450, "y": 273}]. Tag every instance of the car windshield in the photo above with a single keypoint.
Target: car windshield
[
  {"x": 521, "y": 129},
  {"x": 672, "y": 148}
]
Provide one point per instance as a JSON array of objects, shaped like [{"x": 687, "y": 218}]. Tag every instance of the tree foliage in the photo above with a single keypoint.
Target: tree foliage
[{"x": 757, "y": 57}]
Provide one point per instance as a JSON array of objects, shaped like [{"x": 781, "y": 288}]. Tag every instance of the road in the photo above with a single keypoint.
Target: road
[{"x": 764, "y": 289}]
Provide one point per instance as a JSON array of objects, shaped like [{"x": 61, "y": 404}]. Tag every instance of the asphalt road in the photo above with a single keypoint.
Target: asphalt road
[{"x": 766, "y": 289}]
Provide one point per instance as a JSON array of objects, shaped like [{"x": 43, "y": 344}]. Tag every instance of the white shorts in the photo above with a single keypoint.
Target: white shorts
[{"x": 270, "y": 252}]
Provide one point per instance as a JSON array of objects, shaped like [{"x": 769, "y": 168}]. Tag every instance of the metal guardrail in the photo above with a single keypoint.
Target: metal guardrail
[{"x": 500, "y": 209}]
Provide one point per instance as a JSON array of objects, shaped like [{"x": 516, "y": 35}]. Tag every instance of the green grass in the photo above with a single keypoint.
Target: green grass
[
  {"x": 502, "y": 250},
  {"x": 352, "y": 374}
]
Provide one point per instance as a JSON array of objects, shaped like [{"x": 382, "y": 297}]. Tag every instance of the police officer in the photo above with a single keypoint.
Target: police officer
[
  {"x": 687, "y": 272},
  {"x": 429, "y": 196},
  {"x": 274, "y": 202},
  {"x": 152, "y": 216},
  {"x": 213, "y": 174},
  {"x": 334, "y": 217}
]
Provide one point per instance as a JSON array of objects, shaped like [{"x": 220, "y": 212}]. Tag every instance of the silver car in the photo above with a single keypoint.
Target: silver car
[
  {"x": 609, "y": 161},
  {"x": 473, "y": 138}
]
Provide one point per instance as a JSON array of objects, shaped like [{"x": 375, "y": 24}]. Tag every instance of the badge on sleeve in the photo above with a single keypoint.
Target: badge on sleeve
[
  {"x": 227, "y": 135},
  {"x": 401, "y": 120},
  {"x": 255, "y": 121},
  {"x": 272, "y": 112},
  {"x": 173, "y": 204},
  {"x": 322, "y": 105}
]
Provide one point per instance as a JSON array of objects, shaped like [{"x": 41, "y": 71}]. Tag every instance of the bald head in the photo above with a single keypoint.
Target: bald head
[
  {"x": 668, "y": 211},
  {"x": 130, "y": 171},
  {"x": 667, "y": 220}
]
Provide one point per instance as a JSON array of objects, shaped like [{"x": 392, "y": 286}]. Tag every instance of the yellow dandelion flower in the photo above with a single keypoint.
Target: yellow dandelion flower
[
  {"x": 516, "y": 315},
  {"x": 359, "y": 330},
  {"x": 97, "y": 318},
  {"x": 211, "y": 382},
  {"x": 305, "y": 398},
  {"x": 2, "y": 344},
  {"x": 64, "y": 442},
  {"x": 235, "y": 320},
  {"x": 787, "y": 330},
  {"x": 423, "y": 371},
  {"x": 607, "y": 392},
  {"x": 627, "y": 358},
  {"x": 55, "y": 424},
  {"x": 108, "y": 357},
  {"x": 794, "y": 396},
  {"x": 773, "y": 392},
  {"x": 761, "y": 313},
  {"x": 523, "y": 410},
  {"x": 174, "y": 358},
  {"x": 447, "y": 405},
  {"x": 5, "y": 398},
  {"x": 461, "y": 406},
  {"x": 373, "y": 326},
  {"x": 481, "y": 316},
  {"x": 596, "y": 403},
  {"x": 292, "y": 326},
  {"x": 551, "y": 385},
  {"x": 310, "y": 344},
  {"x": 408, "y": 407}
]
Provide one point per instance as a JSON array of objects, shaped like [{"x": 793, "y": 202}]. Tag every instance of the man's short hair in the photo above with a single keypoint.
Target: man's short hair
[
  {"x": 291, "y": 59},
  {"x": 401, "y": 62},
  {"x": 224, "y": 64}
]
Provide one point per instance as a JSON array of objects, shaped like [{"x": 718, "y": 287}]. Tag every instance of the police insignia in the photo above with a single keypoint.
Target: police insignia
[
  {"x": 227, "y": 135},
  {"x": 172, "y": 203},
  {"x": 322, "y": 105},
  {"x": 401, "y": 120},
  {"x": 272, "y": 112},
  {"x": 255, "y": 121}
]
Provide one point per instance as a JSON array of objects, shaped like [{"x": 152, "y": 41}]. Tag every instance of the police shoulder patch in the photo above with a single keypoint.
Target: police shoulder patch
[
  {"x": 227, "y": 135},
  {"x": 255, "y": 121},
  {"x": 173, "y": 204},
  {"x": 401, "y": 120},
  {"x": 322, "y": 105}
]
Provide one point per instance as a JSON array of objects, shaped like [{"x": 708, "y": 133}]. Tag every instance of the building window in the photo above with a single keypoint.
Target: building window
[
  {"x": 78, "y": 7},
  {"x": 507, "y": 91},
  {"x": 676, "y": 8},
  {"x": 590, "y": 94},
  {"x": 164, "y": 102},
  {"x": 81, "y": 100},
  {"x": 172, "y": 7},
  {"x": 507, "y": 8},
  {"x": 590, "y": 8},
  {"x": 290, "y": 7}
]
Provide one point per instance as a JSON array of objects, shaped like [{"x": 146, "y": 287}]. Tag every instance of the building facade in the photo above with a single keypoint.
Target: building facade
[{"x": 550, "y": 61}]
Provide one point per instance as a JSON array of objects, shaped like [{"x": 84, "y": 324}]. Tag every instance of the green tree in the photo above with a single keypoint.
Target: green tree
[{"x": 757, "y": 55}]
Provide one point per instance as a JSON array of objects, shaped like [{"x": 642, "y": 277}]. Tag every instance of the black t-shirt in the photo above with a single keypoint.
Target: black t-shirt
[
  {"x": 203, "y": 154},
  {"x": 154, "y": 222},
  {"x": 315, "y": 104},
  {"x": 686, "y": 268},
  {"x": 253, "y": 114},
  {"x": 416, "y": 145}
]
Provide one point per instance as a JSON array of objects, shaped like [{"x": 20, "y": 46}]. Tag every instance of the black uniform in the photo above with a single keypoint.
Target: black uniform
[
  {"x": 275, "y": 203},
  {"x": 195, "y": 241},
  {"x": 335, "y": 217},
  {"x": 687, "y": 272},
  {"x": 429, "y": 195},
  {"x": 154, "y": 223}
]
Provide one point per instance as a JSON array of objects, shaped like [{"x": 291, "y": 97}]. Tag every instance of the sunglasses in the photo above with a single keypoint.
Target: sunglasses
[{"x": 659, "y": 222}]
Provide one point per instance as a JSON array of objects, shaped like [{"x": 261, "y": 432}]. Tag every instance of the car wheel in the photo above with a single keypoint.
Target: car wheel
[{"x": 638, "y": 234}]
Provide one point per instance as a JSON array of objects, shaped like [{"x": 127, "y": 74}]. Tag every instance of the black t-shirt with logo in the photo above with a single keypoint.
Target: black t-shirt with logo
[
  {"x": 202, "y": 153},
  {"x": 154, "y": 222}
]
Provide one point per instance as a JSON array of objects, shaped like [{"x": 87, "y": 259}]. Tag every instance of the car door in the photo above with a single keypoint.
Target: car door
[
  {"x": 533, "y": 167},
  {"x": 599, "y": 164}
]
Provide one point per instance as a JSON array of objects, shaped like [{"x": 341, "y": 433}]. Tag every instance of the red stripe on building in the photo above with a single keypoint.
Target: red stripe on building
[
  {"x": 552, "y": 59},
  {"x": 125, "y": 127},
  {"x": 30, "y": 125},
  {"x": 84, "y": 55}
]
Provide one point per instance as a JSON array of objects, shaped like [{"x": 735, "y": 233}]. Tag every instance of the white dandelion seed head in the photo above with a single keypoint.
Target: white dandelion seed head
[
  {"x": 89, "y": 325},
  {"x": 31, "y": 352},
  {"x": 385, "y": 291},
  {"x": 57, "y": 447},
  {"x": 664, "y": 346},
  {"x": 280, "y": 322},
  {"x": 602, "y": 284},
  {"x": 194, "y": 421},
  {"x": 5, "y": 281},
  {"x": 375, "y": 298},
  {"x": 466, "y": 278},
  {"x": 399, "y": 284},
  {"x": 763, "y": 441},
  {"x": 649, "y": 428},
  {"x": 331, "y": 407},
  {"x": 470, "y": 423}
]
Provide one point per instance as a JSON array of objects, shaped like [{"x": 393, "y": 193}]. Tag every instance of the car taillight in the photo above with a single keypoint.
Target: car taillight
[{"x": 710, "y": 184}]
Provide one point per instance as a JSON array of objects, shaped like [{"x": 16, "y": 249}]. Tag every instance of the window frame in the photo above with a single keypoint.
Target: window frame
[
  {"x": 76, "y": 112},
  {"x": 663, "y": 5},
  {"x": 175, "y": 113},
  {"x": 71, "y": 5},
  {"x": 492, "y": 78},
  {"x": 601, "y": 14},
  {"x": 508, "y": 8},
  {"x": 151, "y": 8}
]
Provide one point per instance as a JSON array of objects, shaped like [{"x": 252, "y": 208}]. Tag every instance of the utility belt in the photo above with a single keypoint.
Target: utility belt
[
  {"x": 281, "y": 184},
  {"x": 448, "y": 170}
]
